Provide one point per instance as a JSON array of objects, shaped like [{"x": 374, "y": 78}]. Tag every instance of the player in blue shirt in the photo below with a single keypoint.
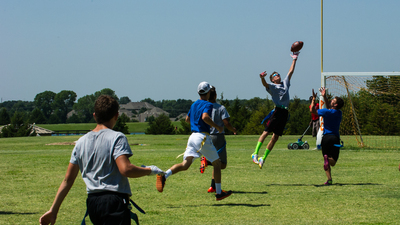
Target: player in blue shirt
[
  {"x": 199, "y": 142},
  {"x": 331, "y": 139}
]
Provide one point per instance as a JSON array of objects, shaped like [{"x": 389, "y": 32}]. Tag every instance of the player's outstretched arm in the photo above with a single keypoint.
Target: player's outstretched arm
[
  {"x": 312, "y": 107},
  {"x": 127, "y": 169},
  {"x": 291, "y": 70},
  {"x": 263, "y": 81},
  {"x": 50, "y": 216}
]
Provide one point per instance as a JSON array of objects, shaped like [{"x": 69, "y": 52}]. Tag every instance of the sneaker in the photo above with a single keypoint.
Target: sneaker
[
  {"x": 326, "y": 163},
  {"x": 255, "y": 158},
  {"x": 211, "y": 190},
  {"x": 224, "y": 194},
  {"x": 160, "y": 182},
  {"x": 260, "y": 162},
  {"x": 203, "y": 164},
  {"x": 328, "y": 182}
]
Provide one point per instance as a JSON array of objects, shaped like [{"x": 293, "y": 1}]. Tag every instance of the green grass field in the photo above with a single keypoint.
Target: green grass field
[{"x": 288, "y": 190}]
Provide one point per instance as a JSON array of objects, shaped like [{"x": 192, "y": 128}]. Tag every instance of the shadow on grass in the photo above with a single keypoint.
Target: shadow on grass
[
  {"x": 242, "y": 204},
  {"x": 14, "y": 213},
  {"x": 250, "y": 192},
  {"x": 323, "y": 185},
  {"x": 222, "y": 204}
]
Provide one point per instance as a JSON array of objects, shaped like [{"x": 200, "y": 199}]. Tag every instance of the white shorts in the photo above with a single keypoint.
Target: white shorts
[{"x": 201, "y": 144}]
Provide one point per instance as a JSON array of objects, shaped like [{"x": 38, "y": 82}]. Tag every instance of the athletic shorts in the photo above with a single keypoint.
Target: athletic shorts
[
  {"x": 277, "y": 122},
  {"x": 328, "y": 148},
  {"x": 220, "y": 144},
  {"x": 200, "y": 144},
  {"x": 108, "y": 208}
]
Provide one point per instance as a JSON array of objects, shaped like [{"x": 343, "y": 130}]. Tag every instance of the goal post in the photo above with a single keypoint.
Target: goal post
[{"x": 372, "y": 106}]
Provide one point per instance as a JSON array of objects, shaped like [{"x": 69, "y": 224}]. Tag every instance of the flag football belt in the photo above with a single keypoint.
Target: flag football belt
[
  {"x": 282, "y": 107},
  {"x": 133, "y": 215}
]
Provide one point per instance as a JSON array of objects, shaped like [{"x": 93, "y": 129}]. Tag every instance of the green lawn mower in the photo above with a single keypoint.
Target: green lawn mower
[{"x": 299, "y": 144}]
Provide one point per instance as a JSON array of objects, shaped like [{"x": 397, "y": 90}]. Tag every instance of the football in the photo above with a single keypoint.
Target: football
[{"x": 297, "y": 46}]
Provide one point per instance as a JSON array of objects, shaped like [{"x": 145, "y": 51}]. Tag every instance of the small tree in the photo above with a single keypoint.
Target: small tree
[
  {"x": 4, "y": 117},
  {"x": 37, "y": 116},
  {"x": 161, "y": 125},
  {"x": 185, "y": 129},
  {"x": 121, "y": 124},
  {"x": 18, "y": 127}
]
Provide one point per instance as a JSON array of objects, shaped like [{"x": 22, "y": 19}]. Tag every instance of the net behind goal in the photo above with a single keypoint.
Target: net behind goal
[{"x": 371, "y": 113}]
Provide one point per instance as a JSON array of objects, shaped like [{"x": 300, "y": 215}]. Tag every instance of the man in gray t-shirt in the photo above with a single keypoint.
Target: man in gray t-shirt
[
  {"x": 102, "y": 156},
  {"x": 279, "y": 91},
  {"x": 221, "y": 117}
]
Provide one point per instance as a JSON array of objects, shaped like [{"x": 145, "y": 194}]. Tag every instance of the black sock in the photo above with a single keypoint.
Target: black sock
[{"x": 213, "y": 183}]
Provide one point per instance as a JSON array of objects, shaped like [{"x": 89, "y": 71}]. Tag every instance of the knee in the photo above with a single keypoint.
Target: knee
[
  {"x": 216, "y": 164},
  {"x": 223, "y": 166}
]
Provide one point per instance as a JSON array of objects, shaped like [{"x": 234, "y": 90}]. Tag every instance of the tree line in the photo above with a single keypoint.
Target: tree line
[{"x": 378, "y": 112}]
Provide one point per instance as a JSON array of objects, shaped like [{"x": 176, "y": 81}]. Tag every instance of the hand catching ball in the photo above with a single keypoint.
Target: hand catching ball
[{"x": 297, "y": 46}]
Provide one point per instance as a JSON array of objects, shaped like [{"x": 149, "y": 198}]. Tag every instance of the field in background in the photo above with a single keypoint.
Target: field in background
[
  {"x": 132, "y": 127},
  {"x": 288, "y": 190}
]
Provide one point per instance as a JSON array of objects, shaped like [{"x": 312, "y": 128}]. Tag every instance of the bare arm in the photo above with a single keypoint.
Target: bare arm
[
  {"x": 127, "y": 169},
  {"x": 312, "y": 108},
  {"x": 228, "y": 125},
  {"x": 263, "y": 81},
  {"x": 291, "y": 70},
  {"x": 207, "y": 119},
  {"x": 323, "y": 93},
  {"x": 50, "y": 216},
  {"x": 187, "y": 119}
]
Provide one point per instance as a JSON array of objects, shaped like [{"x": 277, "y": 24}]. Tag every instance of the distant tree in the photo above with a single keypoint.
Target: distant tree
[
  {"x": 36, "y": 116},
  {"x": 150, "y": 119},
  {"x": 85, "y": 108},
  {"x": 185, "y": 127},
  {"x": 161, "y": 125},
  {"x": 44, "y": 101},
  {"x": 106, "y": 91},
  {"x": 124, "y": 118},
  {"x": 124, "y": 100},
  {"x": 18, "y": 127},
  {"x": 299, "y": 117},
  {"x": 121, "y": 124},
  {"x": 4, "y": 116},
  {"x": 149, "y": 100},
  {"x": 254, "y": 125},
  {"x": 73, "y": 119},
  {"x": 142, "y": 110},
  {"x": 63, "y": 103}
]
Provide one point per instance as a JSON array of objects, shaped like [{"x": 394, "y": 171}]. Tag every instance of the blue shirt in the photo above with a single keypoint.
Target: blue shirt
[
  {"x": 332, "y": 119},
  {"x": 280, "y": 92},
  {"x": 195, "y": 114}
]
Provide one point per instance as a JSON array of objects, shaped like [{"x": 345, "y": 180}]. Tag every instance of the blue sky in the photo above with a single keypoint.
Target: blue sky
[{"x": 164, "y": 49}]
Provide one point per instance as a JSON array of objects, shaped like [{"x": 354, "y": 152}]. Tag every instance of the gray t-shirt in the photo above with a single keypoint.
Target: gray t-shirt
[
  {"x": 280, "y": 92},
  {"x": 95, "y": 153},
  {"x": 218, "y": 114}
]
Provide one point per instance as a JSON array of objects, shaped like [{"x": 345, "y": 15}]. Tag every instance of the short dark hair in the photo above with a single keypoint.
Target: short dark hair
[
  {"x": 272, "y": 74},
  {"x": 213, "y": 93},
  {"x": 105, "y": 108},
  {"x": 339, "y": 102}
]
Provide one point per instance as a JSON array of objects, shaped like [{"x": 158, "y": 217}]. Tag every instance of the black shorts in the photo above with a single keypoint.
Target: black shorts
[
  {"x": 108, "y": 208},
  {"x": 277, "y": 122},
  {"x": 220, "y": 144},
  {"x": 328, "y": 148}
]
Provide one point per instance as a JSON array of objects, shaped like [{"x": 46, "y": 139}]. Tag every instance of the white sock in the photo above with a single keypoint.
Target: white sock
[
  {"x": 168, "y": 173},
  {"x": 218, "y": 188}
]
